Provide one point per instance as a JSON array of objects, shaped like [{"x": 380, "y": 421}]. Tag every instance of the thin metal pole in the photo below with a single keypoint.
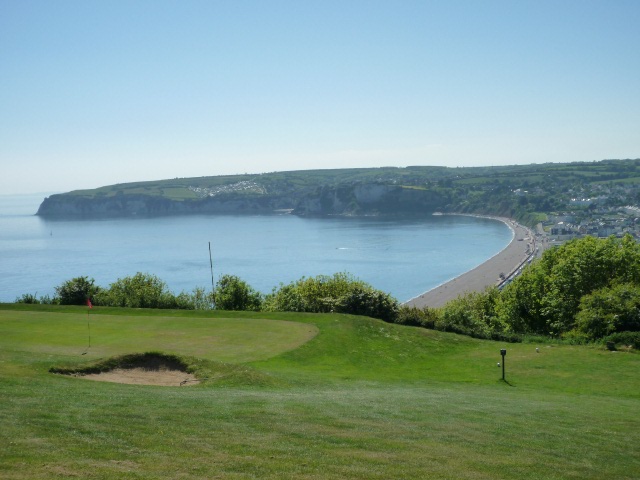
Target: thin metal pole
[
  {"x": 88, "y": 330},
  {"x": 502, "y": 367},
  {"x": 213, "y": 288}
]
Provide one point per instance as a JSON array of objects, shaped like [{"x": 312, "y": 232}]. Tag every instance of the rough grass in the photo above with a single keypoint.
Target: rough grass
[{"x": 360, "y": 399}]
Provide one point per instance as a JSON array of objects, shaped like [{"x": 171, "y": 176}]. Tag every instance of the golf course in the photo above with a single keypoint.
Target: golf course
[{"x": 306, "y": 396}]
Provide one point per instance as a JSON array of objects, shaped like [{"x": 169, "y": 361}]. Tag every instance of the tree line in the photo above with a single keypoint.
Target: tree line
[
  {"x": 582, "y": 291},
  {"x": 338, "y": 293}
]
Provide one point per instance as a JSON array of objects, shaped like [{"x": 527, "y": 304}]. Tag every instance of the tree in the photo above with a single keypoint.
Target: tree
[
  {"x": 232, "y": 293},
  {"x": 76, "y": 291},
  {"x": 340, "y": 292},
  {"x": 198, "y": 299},
  {"x": 609, "y": 310},
  {"x": 546, "y": 296},
  {"x": 364, "y": 300},
  {"x": 317, "y": 294},
  {"x": 519, "y": 305},
  {"x": 471, "y": 314},
  {"x": 287, "y": 298},
  {"x": 143, "y": 290}
]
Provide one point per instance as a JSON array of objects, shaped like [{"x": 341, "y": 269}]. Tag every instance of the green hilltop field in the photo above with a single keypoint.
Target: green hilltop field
[{"x": 308, "y": 396}]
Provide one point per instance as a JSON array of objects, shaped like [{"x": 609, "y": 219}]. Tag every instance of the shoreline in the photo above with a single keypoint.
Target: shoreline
[{"x": 506, "y": 262}]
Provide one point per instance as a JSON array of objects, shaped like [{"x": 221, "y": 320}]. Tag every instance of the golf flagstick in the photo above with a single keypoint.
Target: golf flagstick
[
  {"x": 213, "y": 288},
  {"x": 88, "y": 325}
]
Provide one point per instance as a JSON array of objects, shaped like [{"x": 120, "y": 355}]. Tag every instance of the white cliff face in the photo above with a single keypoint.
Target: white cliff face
[
  {"x": 371, "y": 193},
  {"x": 126, "y": 205},
  {"x": 345, "y": 200}
]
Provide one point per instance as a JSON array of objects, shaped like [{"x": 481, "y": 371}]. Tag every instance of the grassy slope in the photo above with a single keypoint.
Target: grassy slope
[
  {"x": 514, "y": 175},
  {"x": 178, "y": 188},
  {"x": 360, "y": 399}
]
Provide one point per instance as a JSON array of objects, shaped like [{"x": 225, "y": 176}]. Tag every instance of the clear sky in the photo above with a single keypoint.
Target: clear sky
[{"x": 100, "y": 92}]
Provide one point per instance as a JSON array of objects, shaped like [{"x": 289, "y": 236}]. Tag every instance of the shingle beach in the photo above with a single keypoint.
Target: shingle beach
[{"x": 513, "y": 256}]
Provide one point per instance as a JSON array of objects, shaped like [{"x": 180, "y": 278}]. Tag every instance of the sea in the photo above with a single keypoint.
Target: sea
[{"x": 404, "y": 257}]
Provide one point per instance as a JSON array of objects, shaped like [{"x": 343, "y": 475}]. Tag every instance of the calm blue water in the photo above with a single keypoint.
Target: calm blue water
[{"x": 404, "y": 258}]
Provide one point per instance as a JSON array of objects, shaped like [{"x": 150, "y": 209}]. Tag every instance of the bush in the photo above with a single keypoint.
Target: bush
[
  {"x": 418, "y": 317},
  {"x": 143, "y": 290},
  {"x": 33, "y": 299},
  {"x": 473, "y": 314},
  {"x": 364, "y": 300},
  {"x": 338, "y": 293},
  {"x": 232, "y": 293},
  {"x": 77, "y": 291},
  {"x": 198, "y": 299},
  {"x": 47, "y": 300},
  {"x": 508, "y": 337},
  {"x": 285, "y": 299},
  {"x": 318, "y": 294},
  {"x": 609, "y": 310},
  {"x": 628, "y": 339},
  {"x": 27, "y": 298}
]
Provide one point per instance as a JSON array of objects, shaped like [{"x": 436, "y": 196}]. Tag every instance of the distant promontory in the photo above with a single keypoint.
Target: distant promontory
[{"x": 518, "y": 191}]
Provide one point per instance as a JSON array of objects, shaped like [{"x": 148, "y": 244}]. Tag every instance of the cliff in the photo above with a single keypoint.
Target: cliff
[
  {"x": 523, "y": 192},
  {"x": 361, "y": 199}
]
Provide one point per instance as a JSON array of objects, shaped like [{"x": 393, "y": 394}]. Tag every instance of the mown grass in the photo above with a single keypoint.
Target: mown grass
[
  {"x": 65, "y": 333},
  {"x": 351, "y": 398}
]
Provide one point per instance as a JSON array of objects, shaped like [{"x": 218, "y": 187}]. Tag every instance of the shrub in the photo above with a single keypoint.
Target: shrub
[
  {"x": 315, "y": 294},
  {"x": 198, "y": 299},
  {"x": 472, "y": 314},
  {"x": 47, "y": 300},
  {"x": 285, "y": 299},
  {"x": 77, "y": 291},
  {"x": 232, "y": 293},
  {"x": 419, "y": 317},
  {"x": 143, "y": 290},
  {"x": 609, "y": 310},
  {"x": 628, "y": 339},
  {"x": 338, "y": 293},
  {"x": 364, "y": 300},
  {"x": 27, "y": 298},
  {"x": 33, "y": 299}
]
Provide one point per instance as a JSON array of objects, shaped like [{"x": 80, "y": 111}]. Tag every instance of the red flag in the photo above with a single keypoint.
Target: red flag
[{"x": 89, "y": 303}]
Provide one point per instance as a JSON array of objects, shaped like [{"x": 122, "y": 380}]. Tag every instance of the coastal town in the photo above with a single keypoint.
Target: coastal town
[
  {"x": 604, "y": 215},
  {"x": 596, "y": 220}
]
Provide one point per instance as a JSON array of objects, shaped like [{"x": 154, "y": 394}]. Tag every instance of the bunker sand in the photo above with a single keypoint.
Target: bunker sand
[
  {"x": 141, "y": 376},
  {"x": 150, "y": 371}
]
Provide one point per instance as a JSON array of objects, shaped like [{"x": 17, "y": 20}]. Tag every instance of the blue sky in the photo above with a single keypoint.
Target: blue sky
[{"x": 95, "y": 93}]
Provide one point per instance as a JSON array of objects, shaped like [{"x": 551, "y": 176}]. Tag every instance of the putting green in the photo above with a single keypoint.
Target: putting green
[{"x": 235, "y": 340}]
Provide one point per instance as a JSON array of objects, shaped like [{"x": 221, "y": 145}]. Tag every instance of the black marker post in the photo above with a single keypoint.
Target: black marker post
[{"x": 503, "y": 352}]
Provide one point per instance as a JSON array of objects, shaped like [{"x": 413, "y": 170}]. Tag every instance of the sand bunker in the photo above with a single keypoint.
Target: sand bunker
[
  {"x": 142, "y": 376},
  {"x": 149, "y": 370}
]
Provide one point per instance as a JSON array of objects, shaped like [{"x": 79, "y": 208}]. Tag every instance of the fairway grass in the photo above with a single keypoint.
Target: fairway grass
[{"x": 352, "y": 397}]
